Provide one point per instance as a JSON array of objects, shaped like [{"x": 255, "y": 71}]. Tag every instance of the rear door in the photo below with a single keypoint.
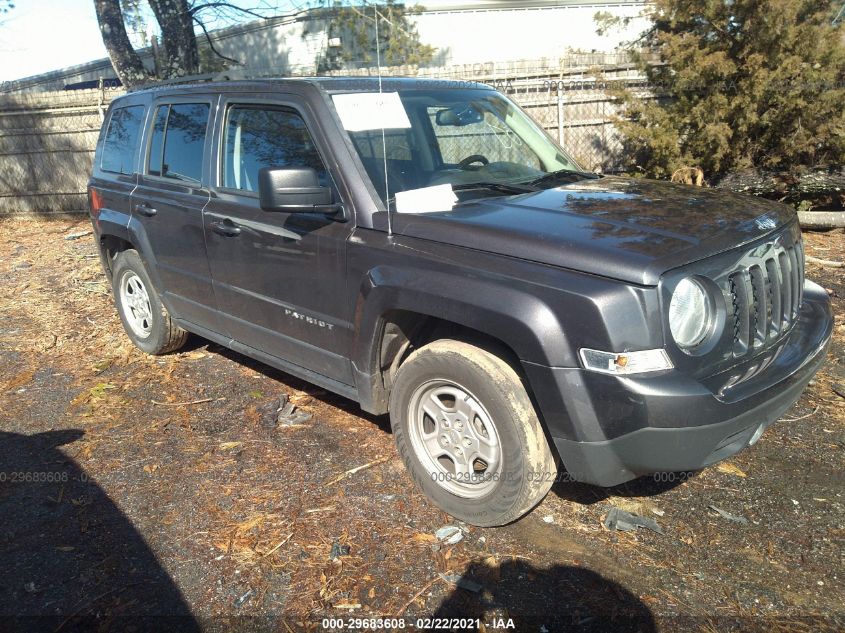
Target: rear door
[
  {"x": 169, "y": 200},
  {"x": 280, "y": 278},
  {"x": 114, "y": 173}
]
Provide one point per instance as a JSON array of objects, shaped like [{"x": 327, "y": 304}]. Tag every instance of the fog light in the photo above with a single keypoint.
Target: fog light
[{"x": 625, "y": 362}]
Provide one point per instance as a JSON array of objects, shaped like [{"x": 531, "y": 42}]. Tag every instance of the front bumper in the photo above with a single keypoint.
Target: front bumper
[{"x": 611, "y": 429}]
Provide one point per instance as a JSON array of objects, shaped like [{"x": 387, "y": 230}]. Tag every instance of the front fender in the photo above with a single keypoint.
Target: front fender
[
  {"x": 522, "y": 321},
  {"x": 542, "y": 313}
]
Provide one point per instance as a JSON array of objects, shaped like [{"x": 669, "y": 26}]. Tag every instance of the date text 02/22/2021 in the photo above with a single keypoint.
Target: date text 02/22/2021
[{"x": 424, "y": 624}]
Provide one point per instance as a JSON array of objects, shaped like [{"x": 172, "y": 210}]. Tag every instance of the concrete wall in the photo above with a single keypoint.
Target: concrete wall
[
  {"x": 471, "y": 32},
  {"x": 469, "y": 35},
  {"x": 466, "y": 37}
]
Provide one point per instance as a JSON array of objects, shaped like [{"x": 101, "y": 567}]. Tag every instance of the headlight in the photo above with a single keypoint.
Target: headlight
[{"x": 690, "y": 314}]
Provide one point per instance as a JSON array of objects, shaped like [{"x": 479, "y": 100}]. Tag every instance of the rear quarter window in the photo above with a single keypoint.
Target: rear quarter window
[{"x": 121, "y": 144}]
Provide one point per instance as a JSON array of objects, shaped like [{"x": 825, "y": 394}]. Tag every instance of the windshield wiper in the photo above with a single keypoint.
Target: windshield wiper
[
  {"x": 562, "y": 173},
  {"x": 503, "y": 187},
  {"x": 508, "y": 189}
]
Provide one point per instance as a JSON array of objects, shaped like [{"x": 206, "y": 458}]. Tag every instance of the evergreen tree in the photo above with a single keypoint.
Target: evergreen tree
[{"x": 742, "y": 84}]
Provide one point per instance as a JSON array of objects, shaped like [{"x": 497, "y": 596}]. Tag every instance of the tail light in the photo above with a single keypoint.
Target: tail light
[{"x": 95, "y": 200}]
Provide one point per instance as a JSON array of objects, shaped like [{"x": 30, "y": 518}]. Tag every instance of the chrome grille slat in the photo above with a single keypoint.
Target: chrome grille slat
[
  {"x": 741, "y": 295},
  {"x": 765, "y": 295},
  {"x": 793, "y": 267},
  {"x": 759, "y": 303},
  {"x": 799, "y": 252},
  {"x": 774, "y": 285},
  {"x": 786, "y": 289}
]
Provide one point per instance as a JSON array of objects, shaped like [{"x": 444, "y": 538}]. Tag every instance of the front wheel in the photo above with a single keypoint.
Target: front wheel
[{"x": 468, "y": 433}]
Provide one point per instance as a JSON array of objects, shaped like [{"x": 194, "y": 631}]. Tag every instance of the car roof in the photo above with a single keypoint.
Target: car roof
[{"x": 328, "y": 84}]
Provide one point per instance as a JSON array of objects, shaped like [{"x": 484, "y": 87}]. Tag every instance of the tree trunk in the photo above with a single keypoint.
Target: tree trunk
[
  {"x": 177, "y": 34},
  {"x": 822, "y": 219},
  {"x": 125, "y": 61},
  {"x": 800, "y": 184}
]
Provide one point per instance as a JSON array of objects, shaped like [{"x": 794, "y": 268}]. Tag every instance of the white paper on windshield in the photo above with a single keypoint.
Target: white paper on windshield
[
  {"x": 361, "y": 111},
  {"x": 426, "y": 200}
]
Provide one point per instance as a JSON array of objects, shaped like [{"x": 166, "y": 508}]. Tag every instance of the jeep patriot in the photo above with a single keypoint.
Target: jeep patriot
[{"x": 425, "y": 249}]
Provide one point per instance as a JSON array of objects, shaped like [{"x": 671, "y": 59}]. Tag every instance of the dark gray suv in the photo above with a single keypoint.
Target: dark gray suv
[{"x": 424, "y": 248}]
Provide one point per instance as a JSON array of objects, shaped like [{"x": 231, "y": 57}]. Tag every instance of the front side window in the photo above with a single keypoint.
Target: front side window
[
  {"x": 257, "y": 137},
  {"x": 122, "y": 140},
  {"x": 178, "y": 139}
]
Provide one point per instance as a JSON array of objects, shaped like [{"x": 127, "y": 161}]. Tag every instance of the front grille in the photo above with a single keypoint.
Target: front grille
[{"x": 765, "y": 296}]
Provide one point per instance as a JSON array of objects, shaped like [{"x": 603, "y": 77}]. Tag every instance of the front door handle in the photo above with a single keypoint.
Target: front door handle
[
  {"x": 227, "y": 228},
  {"x": 145, "y": 209}
]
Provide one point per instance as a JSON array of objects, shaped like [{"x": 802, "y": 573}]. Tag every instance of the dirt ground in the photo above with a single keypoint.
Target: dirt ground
[{"x": 133, "y": 486}]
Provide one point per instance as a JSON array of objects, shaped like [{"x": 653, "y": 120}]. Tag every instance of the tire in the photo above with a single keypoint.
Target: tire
[
  {"x": 146, "y": 321},
  {"x": 466, "y": 386}
]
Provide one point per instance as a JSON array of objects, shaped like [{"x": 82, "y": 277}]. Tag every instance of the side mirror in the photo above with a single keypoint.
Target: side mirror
[{"x": 293, "y": 190}]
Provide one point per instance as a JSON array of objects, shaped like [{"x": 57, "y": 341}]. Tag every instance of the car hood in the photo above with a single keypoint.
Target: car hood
[{"x": 628, "y": 229}]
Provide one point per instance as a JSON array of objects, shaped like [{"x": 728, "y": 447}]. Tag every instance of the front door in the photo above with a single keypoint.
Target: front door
[
  {"x": 279, "y": 278},
  {"x": 169, "y": 201}
]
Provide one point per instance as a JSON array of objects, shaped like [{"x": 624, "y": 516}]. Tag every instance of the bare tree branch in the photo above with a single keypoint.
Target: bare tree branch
[
  {"x": 225, "y": 5},
  {"x": 214, "y": 48}
]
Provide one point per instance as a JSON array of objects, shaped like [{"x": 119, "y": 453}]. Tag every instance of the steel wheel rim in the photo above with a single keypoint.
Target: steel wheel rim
[
  {"x": 136, "y": 304},
  {"x": 454, "y": 438}
]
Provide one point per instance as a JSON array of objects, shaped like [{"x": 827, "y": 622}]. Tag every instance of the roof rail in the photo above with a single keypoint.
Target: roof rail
[
  {"x": 224, "y": 75},
  {"x": 174, "y": 80}
]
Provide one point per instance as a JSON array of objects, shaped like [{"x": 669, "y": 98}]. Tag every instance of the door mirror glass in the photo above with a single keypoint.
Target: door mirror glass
[{"x": 293, "y": 190}]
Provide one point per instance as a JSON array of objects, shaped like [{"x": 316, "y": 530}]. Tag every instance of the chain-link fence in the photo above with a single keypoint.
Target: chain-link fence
[
  {"x": 580, "y": 118},
  {"x": 47, "y": 140},
  {"x": 568, "y": 97}
]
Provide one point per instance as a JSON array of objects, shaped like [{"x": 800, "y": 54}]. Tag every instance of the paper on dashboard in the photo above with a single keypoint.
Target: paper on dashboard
[
  {"x": 360, "y": 111},
  {"x": 426, "y": 200}
]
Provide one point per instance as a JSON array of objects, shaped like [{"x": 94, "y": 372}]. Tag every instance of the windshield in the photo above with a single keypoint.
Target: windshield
[{"x": 467, "y": 143}]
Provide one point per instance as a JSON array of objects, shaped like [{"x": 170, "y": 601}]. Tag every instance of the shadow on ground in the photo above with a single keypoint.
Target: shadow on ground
[
  {"x": 647, "y": 486},
  {"x": 69, "y": 558},
  {"x": 560, "y": 598},
  {"x": 286, "y": 380}
]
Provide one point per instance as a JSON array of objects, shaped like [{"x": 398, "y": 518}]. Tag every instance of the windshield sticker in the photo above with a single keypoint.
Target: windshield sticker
[
  {"x": 426, "y": 200},
  {"x": 362, "y": 111}
]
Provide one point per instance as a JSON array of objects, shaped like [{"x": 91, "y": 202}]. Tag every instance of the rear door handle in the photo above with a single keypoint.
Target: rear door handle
[
  {"x": 227, "y": 228},
  {"x": 145, "y": 209}
]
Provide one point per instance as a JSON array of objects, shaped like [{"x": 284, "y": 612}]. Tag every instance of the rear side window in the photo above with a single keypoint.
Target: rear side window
[
  {"x": 122, "y": 140},
  {"x": 258, "y": 137},
  {"x": 178, "y": 138}
]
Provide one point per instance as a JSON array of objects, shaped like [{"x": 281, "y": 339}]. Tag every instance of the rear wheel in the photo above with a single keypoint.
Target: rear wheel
[
  {"x": 468, "y": 433},
  {"x": 145, "y": 319}
]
